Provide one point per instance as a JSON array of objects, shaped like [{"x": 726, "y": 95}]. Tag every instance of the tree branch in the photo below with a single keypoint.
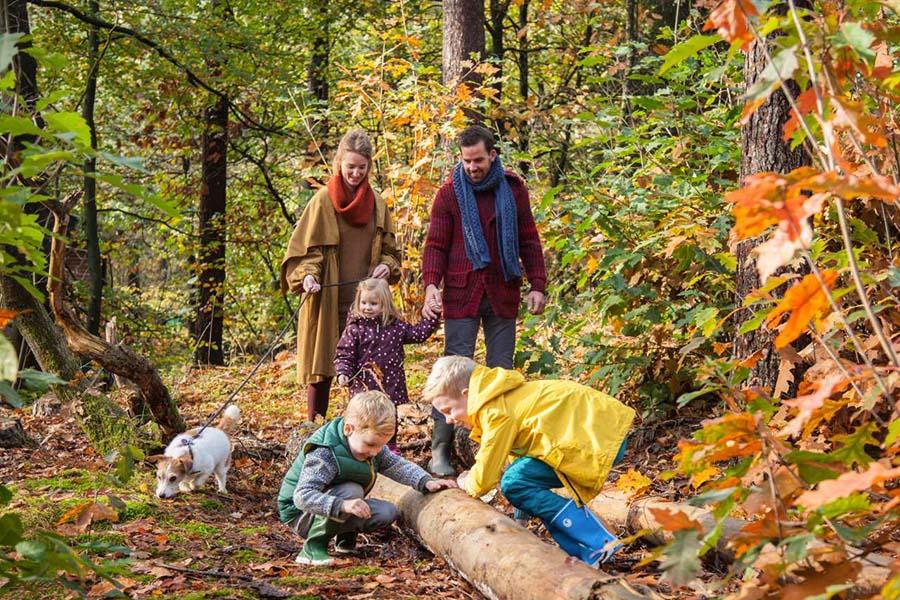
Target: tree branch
[
  {"x": 270, "y": 185},
  {"x": 192, "y": 77}
]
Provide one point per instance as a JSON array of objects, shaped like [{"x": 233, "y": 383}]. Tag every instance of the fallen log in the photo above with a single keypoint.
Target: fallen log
[{"x": 496, "y": 555}]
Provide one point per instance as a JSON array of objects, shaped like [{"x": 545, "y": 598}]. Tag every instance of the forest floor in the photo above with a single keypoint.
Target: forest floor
[{"x": 210, "y": 545}]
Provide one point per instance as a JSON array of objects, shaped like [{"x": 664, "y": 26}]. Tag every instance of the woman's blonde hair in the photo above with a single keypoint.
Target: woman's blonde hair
[
  {"x": 382, "y": 289},
  {"x": 372, "y": 411},
  {"x": 357, "y": 141},
  {"x": 449, "y": 377}
]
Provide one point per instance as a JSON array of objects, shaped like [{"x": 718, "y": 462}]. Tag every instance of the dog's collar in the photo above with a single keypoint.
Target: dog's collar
[{"x": 189, "y": 442}]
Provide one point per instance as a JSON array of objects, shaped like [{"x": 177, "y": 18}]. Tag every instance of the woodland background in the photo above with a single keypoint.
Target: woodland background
[{"x": 715, "y": 184}]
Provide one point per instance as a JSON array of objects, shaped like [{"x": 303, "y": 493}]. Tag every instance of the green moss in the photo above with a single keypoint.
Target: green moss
[
  {"x": 75, "y": 480},
  {"x": 245, "y": 555},
  {"x": 198, "y": 529},
  {"x": 211, "y": 504},
  {"x": 300, "y": 580},
  {"x": 224, "y": 592},
  {"x": 113, "y": 538},
  {"x": 135, "y": 510},
  {"x": 253, "y": 530},
  {"x": 306, "y": 597},
  {"x": 360, "y": 571}
]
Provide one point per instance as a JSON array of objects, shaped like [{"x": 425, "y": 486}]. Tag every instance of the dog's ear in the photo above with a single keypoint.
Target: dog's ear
[
  {"x": 185, "y": 462},
  {"x": 156, "y": 458}
]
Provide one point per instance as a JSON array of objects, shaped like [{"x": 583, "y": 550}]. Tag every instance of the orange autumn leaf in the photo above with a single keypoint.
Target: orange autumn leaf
[
  {"x": 851, "y": 115},
  {"x": 674, "y": 520},
  {"x": 850, "y": 187},
  {"x": 815, "y": 582},
  {"x": 753, "y": 533},
  {"x": 806, "y": 102},
  {"x": 804, "y": 301},
  {"x": 846, "y": 484},
  {"x": 773, "y": 198},
  {"x": 730, "y": 20},
  {"x": 90, "y": 512},
  {"x": 6, "y": 316}
]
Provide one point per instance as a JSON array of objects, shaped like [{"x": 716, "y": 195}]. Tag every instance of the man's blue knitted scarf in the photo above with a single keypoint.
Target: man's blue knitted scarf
[{"x": 507, "y": 222}]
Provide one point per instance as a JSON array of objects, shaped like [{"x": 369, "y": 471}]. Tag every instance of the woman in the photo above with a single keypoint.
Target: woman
[{"x": 344, "y": 235}]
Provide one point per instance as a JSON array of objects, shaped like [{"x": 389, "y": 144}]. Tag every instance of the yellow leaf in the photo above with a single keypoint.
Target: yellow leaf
[{"x": 633, "y": 483}]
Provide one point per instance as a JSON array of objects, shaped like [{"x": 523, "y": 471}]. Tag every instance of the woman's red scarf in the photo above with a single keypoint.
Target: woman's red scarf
[{"x": 357, "y": 210}]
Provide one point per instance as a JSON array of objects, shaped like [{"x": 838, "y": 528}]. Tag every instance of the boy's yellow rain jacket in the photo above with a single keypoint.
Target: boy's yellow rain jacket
[{"x": 575, "y": 429}]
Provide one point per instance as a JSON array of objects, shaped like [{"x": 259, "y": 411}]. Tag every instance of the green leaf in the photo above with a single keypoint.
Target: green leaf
[
  {"x": 39, "y": 380},
  {"x": 754, "y": 323},
  {"x": 812, "y": 465},
  {"x": 853, "y": 36},
  {"x": 796, "y": 547},
  {"x": 10, "y": 529},
  {"x": 70, "y": 123},
  {"x": 10, "y": 395},
  {"x": 8, "y": 49},
  {"x": 712, "y": 496},
  {"x": 856, "y": 502},
  {"x": 5, "y": 495},
  {"x": 893, "y": 433},
  {"x": 853, "y": 449},
  {"x": 9, "y": 362},
  {"x": 18, "y": 126},
  {"x": 894, "y": 276},
  {"x": 686, "y": 49},
  {"x": 681, "y": 563},
  {"x": 32, "y": 550},
  {"x": 780, "y": 69}
]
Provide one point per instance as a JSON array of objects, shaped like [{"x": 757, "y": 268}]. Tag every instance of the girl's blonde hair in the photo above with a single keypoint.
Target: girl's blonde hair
[
  {"x": 372, "y": 411},
  {"x": 357, "y": 141},
  {"x": 379, "y": 286},
  {"x": 449, "y": 377}
]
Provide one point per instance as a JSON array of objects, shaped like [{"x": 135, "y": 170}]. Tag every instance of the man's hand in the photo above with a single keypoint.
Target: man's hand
[
  {"x": 343, "y": 380},
  {"x": 535, "y": 302},
  {"x": 433, "y": 304},
  {"x": 461, "y": 480},
  {"x": 440, "y": 484},
  {"x": 357, "y": 507},
  {"x": 382, "y": 271},
  {"x": 310, "y": 285}
]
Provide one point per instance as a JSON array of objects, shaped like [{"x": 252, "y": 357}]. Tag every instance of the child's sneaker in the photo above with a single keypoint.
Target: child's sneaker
[{"x": 345, "y": 543}]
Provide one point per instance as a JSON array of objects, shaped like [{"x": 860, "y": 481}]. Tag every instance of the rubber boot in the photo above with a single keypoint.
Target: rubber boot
[
  {"x": 441, "y": 442},
  {"x": 315, "y": 549},
  {"x": 573, "y": 526},
  {"x": 345, "y": 543},
  {"x": 317, "y": 399}
]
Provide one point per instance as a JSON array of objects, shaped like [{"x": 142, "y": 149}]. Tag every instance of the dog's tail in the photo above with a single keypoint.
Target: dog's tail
[{"x": 230, "y": 418}]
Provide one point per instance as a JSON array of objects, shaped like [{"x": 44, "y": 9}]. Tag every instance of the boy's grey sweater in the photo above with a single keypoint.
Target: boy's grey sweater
[{"x": 319, "y": 470}]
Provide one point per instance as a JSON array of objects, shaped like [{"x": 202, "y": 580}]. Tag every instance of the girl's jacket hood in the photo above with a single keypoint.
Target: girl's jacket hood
[{"x": 574, "y": 429}]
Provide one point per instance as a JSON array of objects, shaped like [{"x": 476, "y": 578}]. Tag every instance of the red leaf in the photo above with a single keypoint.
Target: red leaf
[{"x": 806, "y": 102}]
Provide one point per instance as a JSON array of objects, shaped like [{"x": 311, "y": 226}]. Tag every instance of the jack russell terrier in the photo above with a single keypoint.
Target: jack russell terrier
[{"x": 190, "y": 459}]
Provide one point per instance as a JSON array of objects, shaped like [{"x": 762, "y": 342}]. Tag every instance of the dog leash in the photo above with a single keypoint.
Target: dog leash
[{"x": 260, "y": 362}]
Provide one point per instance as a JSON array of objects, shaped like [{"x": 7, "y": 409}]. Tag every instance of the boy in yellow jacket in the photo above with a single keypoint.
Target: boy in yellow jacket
[{"x": 558, "y": 434}]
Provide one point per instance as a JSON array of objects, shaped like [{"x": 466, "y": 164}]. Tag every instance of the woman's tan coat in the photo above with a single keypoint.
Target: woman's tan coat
[{"x": 313, "y": 250}]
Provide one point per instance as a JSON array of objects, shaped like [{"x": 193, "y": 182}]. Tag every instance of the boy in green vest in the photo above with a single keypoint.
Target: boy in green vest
[{"x": 322, "y": 495}]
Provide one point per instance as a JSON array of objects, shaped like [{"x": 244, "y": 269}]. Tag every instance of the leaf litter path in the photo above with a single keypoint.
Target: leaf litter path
[{"x": 205, "y": 544}]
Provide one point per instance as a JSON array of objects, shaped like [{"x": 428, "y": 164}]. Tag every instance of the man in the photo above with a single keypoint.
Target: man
[{"x": 481, "y": 227}]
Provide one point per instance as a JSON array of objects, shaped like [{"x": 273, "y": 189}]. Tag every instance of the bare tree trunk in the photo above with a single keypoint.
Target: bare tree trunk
[
  {"x": 209, "y": 323},
  {"x": 523, "y": 127},
  {"x": 763, "y": 149},
  {"x": 317, "y": 69},
  {"x": 91, "y": 229},
  {"x": 499, "y": 10},
  {"x": 463, "y": 42}
]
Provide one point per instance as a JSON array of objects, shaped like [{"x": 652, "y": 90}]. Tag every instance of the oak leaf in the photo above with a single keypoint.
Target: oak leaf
[
  {"x": 804, "y": 301},
  {"x": 846, "y": 484},
  {"x": 674, "y": 520},
  {"x": 809, "y": 403},
  {"x": 730, "y": 20}
]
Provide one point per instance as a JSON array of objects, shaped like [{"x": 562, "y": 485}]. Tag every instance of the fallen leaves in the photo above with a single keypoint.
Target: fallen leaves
[
  {"x": 85, "y": 514},
  {"x": 633, "y": 483}
]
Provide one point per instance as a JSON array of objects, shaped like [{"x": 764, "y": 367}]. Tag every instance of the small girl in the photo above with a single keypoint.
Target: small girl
[{"x": 375, "y": 335}]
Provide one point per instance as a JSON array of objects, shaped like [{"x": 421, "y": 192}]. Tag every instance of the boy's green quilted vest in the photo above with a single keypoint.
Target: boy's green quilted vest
[{"x": 331, "y": 436}]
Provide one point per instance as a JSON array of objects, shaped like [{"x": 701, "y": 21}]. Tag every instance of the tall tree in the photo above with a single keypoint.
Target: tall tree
[
  {"x": 209, "y": 321},
  {"x": 91, "y": 228},
  {"x": 463, "y": 40},
  {"x": 317, "y": 69},
  {"x": 523, "y": 125},
  {"x": 499, "y": 10},
  {"x": 762, "y": 149}
]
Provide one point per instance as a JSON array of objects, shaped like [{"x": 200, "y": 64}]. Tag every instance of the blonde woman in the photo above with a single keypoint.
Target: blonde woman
[{"x": 344, "y": 235}]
